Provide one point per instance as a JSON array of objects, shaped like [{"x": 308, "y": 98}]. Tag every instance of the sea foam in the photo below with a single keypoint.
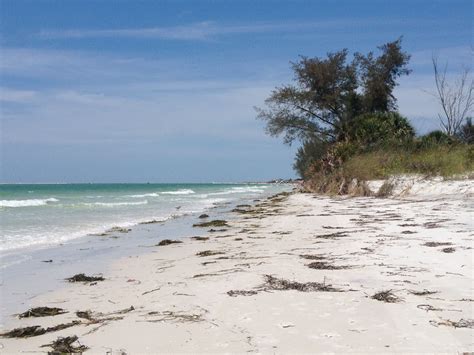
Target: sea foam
[
  {"x": 27, "y": 203},
  {"x": 179, "y": 192}
]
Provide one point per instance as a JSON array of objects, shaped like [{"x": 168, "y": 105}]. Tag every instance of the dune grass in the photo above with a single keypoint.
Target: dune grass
[{"x": 436, "y": 161}]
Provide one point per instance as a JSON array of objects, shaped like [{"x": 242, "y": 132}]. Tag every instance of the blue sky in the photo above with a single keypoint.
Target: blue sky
[{"x": 163, "y": 91}]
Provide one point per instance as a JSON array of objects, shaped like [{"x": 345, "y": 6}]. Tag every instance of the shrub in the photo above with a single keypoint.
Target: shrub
[
  {"x": 381, "y": 129},
  {"x": 435, "y": 138}
]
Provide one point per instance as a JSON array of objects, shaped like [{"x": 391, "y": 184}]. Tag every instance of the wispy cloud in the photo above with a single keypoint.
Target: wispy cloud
[{"x": 209, "y": 29}]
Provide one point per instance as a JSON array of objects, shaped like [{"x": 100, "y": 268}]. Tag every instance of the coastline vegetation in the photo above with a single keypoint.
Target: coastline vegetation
[{"x": 344, "y": 114}]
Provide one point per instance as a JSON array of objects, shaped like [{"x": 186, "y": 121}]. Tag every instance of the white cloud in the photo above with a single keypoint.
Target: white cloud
[{"x": 209, "y": 29}]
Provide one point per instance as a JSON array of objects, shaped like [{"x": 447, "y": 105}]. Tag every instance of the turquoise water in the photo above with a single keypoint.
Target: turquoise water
[{"x": 41, "y": 215}]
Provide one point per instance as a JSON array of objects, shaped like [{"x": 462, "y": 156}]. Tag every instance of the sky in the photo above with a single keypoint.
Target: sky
[{"x": 164, "y": 91}]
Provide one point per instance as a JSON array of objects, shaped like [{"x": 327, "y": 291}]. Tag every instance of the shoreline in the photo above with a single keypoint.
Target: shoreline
[{"x": 291, "y": 273}]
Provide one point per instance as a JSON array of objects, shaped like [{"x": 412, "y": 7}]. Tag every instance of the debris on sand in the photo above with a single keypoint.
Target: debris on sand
[
  {"x": 65, "y": 346},
  {"x": 85, "y": 315},
  {"x": 42, "y": 312},
  {"x": 448, "y": 250},
  {"x": 36, "y": 330},
  {"x": 168, "y": 242},
  {"x": 386, "y": 296},
  {"x": 462, "y": 323},
  {"x": 153, "y": 221},
  {"x": 422, "y": 293},
  {"x": 84, "y": 278},
  {"x": 213, "y": 223},
  {"x": 273, "y": 283},
  {"x": 313, "y": 257},
  {"x": 235, "y": 293},
  {"x": 118, "y": 230},
  {"x": 436, "y": 244},
  {"x": 176, "y": 317},
  {"x": 204, "y": 216},
  {"x": 332, "y": 235},
  {"x": 200, "y": 238},
  {"x": 321, "y": 265},
  {"x": 209, "y": 253}
]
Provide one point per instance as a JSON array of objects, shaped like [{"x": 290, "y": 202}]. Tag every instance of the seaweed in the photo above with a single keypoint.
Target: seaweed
[
  {"x": 436, "y": 244},
  {"x": 422, "y": 293},
  {"x": 42, "y": 312},
  {"x": 176, "y": 316},
  {"x": 321, "y": 265},
  {"x": 84, "y": 278},
  {"x": 168, "y": 242},
  {"x": 312, "y": 257},
  {"x": 35, "y": 330},
  {"x": 200, "y": 238},
  {"x": 153, "y": 221},
  {"x": 209, "y": 253},
  {"x": 332, "y": 235},
  {"x": 448, "y": 250},
  {"x": 274, "y": 283},
  {"x": 462, "y": 323},
  {"x": 213, "y": 223},
  {"x": 64, "y": 345},
  {"x": 235, "y": 293},
  {"x": 386, "y": 296},
  {"x": 118, "y": 230}
]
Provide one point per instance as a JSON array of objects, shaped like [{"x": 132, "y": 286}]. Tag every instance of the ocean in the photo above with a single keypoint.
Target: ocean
[{"x": 42, "y": 215}]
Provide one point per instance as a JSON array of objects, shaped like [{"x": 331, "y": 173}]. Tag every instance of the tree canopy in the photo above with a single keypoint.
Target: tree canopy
[{"x": 329, "y": 93}]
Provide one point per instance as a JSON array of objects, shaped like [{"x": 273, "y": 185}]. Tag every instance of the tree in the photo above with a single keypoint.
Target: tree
[
  {"x": 456, "y": 97},
  {"x": 330, "y": 92},
  {"x": 466, "y": 133},
  {"x": 310, "y": 151}
]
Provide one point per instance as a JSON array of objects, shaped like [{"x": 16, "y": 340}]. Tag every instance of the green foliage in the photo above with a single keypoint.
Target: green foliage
[
  {"x": 381, "y": 129},
  {"x": 466, "y": 132},
  {"x": 310, "y": 152},
  {"x": 435, "y": 138},
  {"x": 330, "y": 92}
]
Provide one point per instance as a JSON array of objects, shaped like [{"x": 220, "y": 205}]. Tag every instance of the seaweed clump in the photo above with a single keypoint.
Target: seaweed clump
[
  {"x": 321, "y": 265},
  {"x": 214, "y": 223},
  {"x": 436, "y": 244},
  {"x": 42, "y": 312},
  {"x": 209, "y": 253},
  {"x": 35, "y": 330},
  {"x": 422, "y": 293},
  {"x": 200, "y": 238},
  {"x": 274, "y": 283},
  {"x": 235, "y": 293},
  {"x": 84, "y": 278},
  {"x": 65, "y": 346},
  {"x": 168, "y": 242},
  {"x": 386, "y": 296},
  {"x": 462, "y": 323}
]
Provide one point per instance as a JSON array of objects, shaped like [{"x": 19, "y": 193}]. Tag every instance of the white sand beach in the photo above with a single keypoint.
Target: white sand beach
[{"x": 292, "y": 274}]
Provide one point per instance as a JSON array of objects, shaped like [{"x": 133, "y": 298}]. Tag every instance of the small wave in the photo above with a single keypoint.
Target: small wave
[
  {"x": 240, "y": 190},
  {"x": 27, "y": 203},
  {"x": 153, "y": 194},
  {"x": 114, "y": 204},
  {"x": 179, "y": 192}
]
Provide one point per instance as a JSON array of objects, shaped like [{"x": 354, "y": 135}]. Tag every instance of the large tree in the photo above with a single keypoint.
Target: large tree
[{"x": 328, "y": 93}]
